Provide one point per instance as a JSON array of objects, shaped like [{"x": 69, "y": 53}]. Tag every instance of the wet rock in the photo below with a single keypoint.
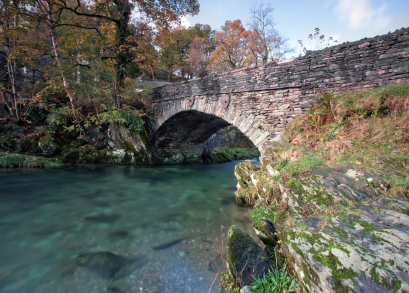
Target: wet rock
[
  {"x": 265, "y": 230},
  {"x": 106, "y": 264},
  {"x": 245, "y": 259}
]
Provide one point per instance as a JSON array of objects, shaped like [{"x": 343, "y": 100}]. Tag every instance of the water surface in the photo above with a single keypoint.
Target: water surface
[{"x": 166, "y": 220}]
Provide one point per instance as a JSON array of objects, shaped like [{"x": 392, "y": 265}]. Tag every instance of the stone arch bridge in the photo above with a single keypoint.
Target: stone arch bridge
[{"x": 261, "y": 100}]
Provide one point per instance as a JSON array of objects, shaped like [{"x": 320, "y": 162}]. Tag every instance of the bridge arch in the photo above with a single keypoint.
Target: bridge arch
[{"x": 183, "y": 125}]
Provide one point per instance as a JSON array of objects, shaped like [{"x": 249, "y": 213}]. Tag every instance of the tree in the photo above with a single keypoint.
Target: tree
[
  {"x": 21, "y": 50},
  {"x": 120, "y": 45},
  {"x": 270, "y": 45},
  {"x": 233, "y": 47},
  {"x": 196, "y": 62},
  {"x": 174, "y": 44}
]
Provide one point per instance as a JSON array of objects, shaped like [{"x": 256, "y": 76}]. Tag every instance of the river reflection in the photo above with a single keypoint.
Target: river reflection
[{"x": 163, "y": 220}]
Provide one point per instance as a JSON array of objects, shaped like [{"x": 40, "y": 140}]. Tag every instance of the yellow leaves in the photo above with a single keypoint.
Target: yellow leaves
[{"x": 294, "y": 141}]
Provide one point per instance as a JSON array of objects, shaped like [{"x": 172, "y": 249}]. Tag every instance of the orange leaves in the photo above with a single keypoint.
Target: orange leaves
[{"x": 234, "y": 47}]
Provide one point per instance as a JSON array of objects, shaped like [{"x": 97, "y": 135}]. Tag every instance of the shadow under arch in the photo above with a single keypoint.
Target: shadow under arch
[{"x": 181, "y": 137}]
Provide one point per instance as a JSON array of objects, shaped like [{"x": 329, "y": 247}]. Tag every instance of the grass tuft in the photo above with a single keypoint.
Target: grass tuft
[{"x": 277, "y": 281}]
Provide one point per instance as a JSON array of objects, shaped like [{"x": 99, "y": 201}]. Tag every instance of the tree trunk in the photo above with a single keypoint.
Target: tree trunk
[
  {"x": 11, "y": 73},
  {"x": 9, "y": 106},
  {"x": 169, "y": 73},
  {"x": 57, "y": 58}
]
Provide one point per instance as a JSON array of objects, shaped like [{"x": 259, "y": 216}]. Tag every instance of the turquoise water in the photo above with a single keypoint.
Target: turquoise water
[{"x": 165, "y": 221}]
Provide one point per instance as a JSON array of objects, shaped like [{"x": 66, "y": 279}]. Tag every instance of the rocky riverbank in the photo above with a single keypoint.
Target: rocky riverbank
[
  {"x": 332, "y": 197},
  {"x": 26, "y": 145}
]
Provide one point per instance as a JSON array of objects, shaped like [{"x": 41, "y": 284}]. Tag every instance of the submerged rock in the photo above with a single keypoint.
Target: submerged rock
[
  {"x": 245, "y": 259},
  {"x": 106, "y": 264},
  {"x": 265, "y": 230},
  {"x": 103, "y": 218}
]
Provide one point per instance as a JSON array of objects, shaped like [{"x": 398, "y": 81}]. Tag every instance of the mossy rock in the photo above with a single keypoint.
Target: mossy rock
[
  {"x": 245, "y": 259},
  {"x": 266, "y": 231},
  {"x": 243, "y": 170},
  {"x": 49, "y": 146},
  {"x": 7, "y": 142},
  {"x": 219, "y": 158},
  {"x": 70, "y": 155},
  {"x": 30, "y": 144},
  {"x": 106, "y": 264}
]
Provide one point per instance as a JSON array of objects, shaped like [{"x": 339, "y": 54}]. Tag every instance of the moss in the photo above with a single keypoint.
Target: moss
[
  {"x": 392, "y": 283},
  {"x": 243, "y": 170},
  {"x": 7, "y": 142},
  {"x": 30, "y": 143},
  {"x": 293, "y": 184},
  {"x": 219, "y": 158},
  {"x": 341, "y": 232},
  {"x": 339, "y": 272},
  {"x": 19, "y": 160},
  {"x": 70, "y": 154},
  {"x": 299, "y": 166},
  {"x": 225, "y": 154},
  {"x": 281, "y": 216}
]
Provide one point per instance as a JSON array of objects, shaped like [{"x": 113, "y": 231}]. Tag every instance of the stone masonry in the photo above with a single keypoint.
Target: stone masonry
[{"x": 261, "y": 100}]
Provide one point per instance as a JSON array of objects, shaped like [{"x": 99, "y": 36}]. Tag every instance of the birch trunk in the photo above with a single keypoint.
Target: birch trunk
[{"x": 58, "y": 59}]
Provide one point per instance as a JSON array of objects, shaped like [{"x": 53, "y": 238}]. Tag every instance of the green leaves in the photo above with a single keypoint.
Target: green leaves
[{"x": 127, "y": 115}]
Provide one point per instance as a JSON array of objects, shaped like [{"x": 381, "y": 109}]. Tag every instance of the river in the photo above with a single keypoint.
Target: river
[{"x": 165, "y": 221}]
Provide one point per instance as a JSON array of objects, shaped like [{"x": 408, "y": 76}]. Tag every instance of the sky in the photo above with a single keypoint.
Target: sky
[{"x": 344, "y": 20}]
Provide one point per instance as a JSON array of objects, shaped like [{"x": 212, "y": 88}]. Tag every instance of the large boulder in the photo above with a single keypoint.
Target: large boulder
[
  {"x": 341, "y": 234},
  {"x": 245, "y": 259},
  {"x": 126, "y": 146}
]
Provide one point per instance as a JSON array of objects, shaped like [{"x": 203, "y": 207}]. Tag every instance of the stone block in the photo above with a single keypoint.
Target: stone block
[{"x": 284, "y": 106}]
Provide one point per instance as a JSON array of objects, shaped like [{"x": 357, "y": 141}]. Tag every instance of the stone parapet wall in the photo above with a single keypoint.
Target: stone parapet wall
[{"x": 362, "y": 64}]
